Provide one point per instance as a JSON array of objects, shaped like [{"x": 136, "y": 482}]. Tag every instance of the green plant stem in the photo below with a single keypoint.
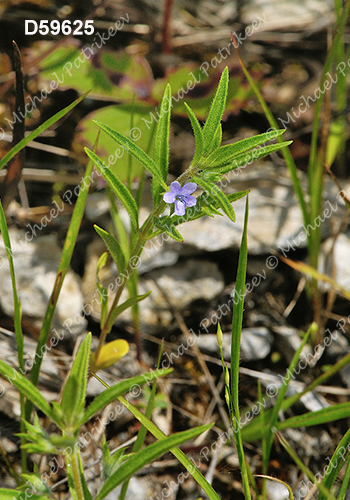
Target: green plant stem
[
  {"x": 145, "y": 229},
  {"x": 144, "y": 236},
  {"x": 74, "y": 463},
  {"x": 63, "y": 266},
  {"x": 237, "y": 319}
]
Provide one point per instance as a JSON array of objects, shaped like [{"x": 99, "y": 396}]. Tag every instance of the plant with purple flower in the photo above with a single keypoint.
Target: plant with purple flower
[{"x": 181, "y": 196}]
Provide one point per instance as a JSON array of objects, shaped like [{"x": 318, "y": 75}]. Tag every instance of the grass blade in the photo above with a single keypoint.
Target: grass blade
[
  {"x": 320, "y": 485},
  {"x": 66, "y": 256},
  {"x": 23, "y": 143},
  {"x": 161, "y": 143},
  {"x": 26, "y": 388},
  {"x": 180, "y": 455},
  {"x": 237, "y": 319},
  {"x": 334, "y": 412},
  {"x": 286, "y": 153}
]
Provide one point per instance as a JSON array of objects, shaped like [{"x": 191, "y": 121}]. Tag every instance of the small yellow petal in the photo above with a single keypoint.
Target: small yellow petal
[{"x": 110, "y": 354}]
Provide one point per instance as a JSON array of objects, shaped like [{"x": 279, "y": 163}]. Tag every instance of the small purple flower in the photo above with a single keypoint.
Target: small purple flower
[{"x": 181, "y": 196}]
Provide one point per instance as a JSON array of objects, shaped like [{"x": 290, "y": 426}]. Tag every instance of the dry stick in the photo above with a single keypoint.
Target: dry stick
[
  {"x": 292, "y": 303},
  {"x": 15, "y": 166},
  {"x": 202, "y": 363},
  {"x": 324, "y": 389},
  {"x": 166, "y": 47}
]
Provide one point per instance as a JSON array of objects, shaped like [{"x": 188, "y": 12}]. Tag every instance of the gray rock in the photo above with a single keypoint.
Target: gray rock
[
  {"x": 139, "y": 487},
  {"x": 276, "y": 491},
  {"x": 275, "y": 219},
  {"x": 36, "y": 264},
  {"x": 255, "y": 344},
  {"x": 339, "y": 345},
  {"x": 286, "y": 15},
  {"x": 338, "y": 259},
  {"x": 182, "y": 283}
]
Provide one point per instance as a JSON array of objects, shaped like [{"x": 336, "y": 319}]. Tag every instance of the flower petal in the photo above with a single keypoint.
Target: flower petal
[
  {"x": 175, "y": 188},
  {"x": 179, "y": 207},
  {"x": 110, "y": 353},
  {"x": 189, "y": 188},
  {"x": 169, "y": 197},
  {"x": 190, "y": 200}
]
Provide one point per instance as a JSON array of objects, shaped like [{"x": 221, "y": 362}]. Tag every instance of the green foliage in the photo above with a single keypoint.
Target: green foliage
[
  {"x": 213, "y": 121},
  {"x": 132, "y": 149},
  {"x": 73, "y": 396},
  {"x": 161, "y": 143},
  {"x": 210, "y": 162},
  {"x": 146, "y": 456}
]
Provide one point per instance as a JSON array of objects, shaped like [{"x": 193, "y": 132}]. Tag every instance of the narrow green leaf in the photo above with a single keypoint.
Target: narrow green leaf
[
  {"x": 17, "y": 319},
  {"x": 66, "y": 256},
  {"x": 125, "y": 305},
  {"x": 167, "y": 225},
  {"x": 253, "y": 430},
  {"x": 135, "y": 151},
  {"x": 141, "y": 435},
  {"x": 76, "y": 480},
  {"x": 228, "y": 152},
  {"x": 336, "y": 463},
  {"x": 320, "y": 485},
  {"x": 283, "y": 389},
  {"x": 237, "y": 319},
  {"x": 216, "y": 111},
  {"x": 26, "y": 388},
  {"x": 215, "y": 142},
  {"x": 7, "y": 494},
  {"x": 334, "y": 412},
  {"x": 86, "y": 491},
  {"x": 117, "y": 186},
  {"x": 198, "y": 135},
  {"x": 285, "y": 152},
  {"x": 161, "y": 144},
  {"x": 36, "y": 483},
  {"x": 221, "y": 199},
  {"x": 345, "y": 482},
  {"x": 180, "y": 455},
  {"x": 114, "y": 248},
  {"x": 147, "y": 455},
  {"x": 237, "y": 196},
  {"x": 110, "y": 463},
  {"x": 247, "y": 158},
  {"x": 101, "y": 289},
  {"x": 44, "y": 126},
  {"x": 106, "y": 397},
  {"x": 17, "y": 304},
  {"x": 73, "y": 396}
]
